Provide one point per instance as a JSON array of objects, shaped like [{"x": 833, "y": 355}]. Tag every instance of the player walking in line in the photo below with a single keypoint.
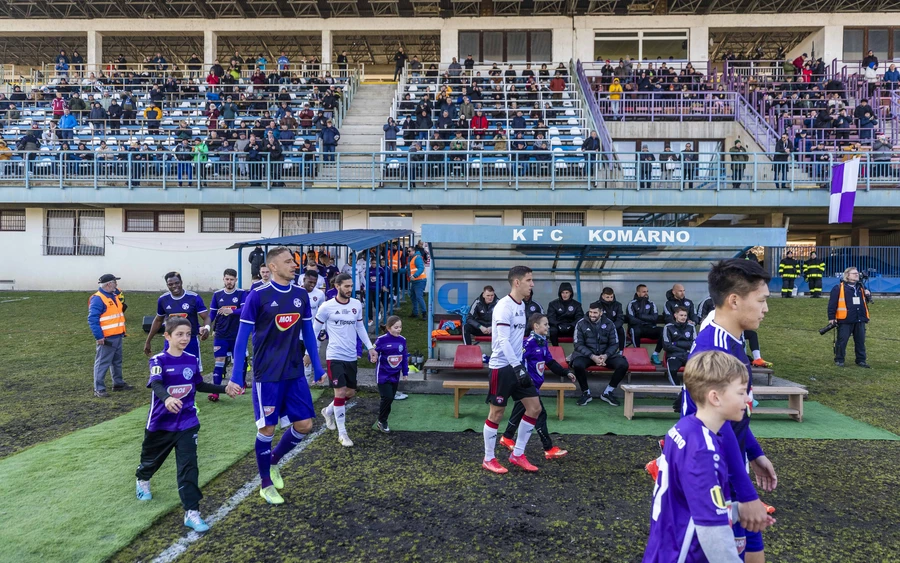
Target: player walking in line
[
  {"x": 225, "y": 317},
  {"x": 537, "y": 359},
  {"x": 393, "y": 362},
  {"x": 342, "y": 318},
  {"x": 739, "y": 289},
  {"x": 316, "y": 298},
  {"x": 264, "y": 275},
  {"x": 277, "y": 314},
  {"x": 180, "y": 303},
  {"x": 172, "y": 424},
  {"x": 508, "y": 375}
]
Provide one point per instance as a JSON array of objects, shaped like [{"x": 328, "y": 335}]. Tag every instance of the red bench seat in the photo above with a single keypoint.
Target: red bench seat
[{"x": 468, "y": 357}]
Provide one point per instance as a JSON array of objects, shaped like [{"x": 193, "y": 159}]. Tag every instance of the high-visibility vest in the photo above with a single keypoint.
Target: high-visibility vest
[
  {"x": 394, "y": 257},
  {"x": 414, "y": 273},
  {"x": 299, "y": 259},
  {"x": 112, "y": 320},
  {"x": 842, "y": 304}
]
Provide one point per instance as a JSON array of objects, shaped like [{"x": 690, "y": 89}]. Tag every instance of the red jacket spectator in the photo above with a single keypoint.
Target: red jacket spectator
[
  {"x": 306, "y": 117},
  {"x": 557, "y": 84},
  {"x": 212, "y": 79},
  {"x": 58, "y": 104},
  {"x": 798, "y": 63},
  {"x": 479, "y": 124}
]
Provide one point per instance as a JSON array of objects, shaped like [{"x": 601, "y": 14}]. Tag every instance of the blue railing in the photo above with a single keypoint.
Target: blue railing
[
  {"x": 873, "y": 261},
  {"x": 562, "y": 168}
]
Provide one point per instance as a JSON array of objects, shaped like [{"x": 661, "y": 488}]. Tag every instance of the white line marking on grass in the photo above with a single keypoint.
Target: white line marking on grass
[
  {"x": 181, "y": 545},
  {"x": 14, "y": 300}
]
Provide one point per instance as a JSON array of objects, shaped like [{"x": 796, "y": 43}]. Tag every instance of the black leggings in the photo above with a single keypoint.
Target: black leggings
[
  {"x": 752, "y": 338},
  {"x": 387, "y": 392},
  {"x": 541, "y": 427},
  {"x": 156, "y": 448}
]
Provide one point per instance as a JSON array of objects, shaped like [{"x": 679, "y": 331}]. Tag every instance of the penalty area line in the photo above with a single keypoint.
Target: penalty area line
[{"x": 181, "y": 545}]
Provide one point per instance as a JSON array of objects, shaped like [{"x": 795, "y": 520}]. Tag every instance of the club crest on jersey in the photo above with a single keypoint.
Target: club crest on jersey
[
  {"x": 540, "y": 367},
  {"x": 234, "y": 300},
  {"x": 156, "y": 370},
  {"x": 395, "y": 360},
  {"x": 297, "y": 302},
  {"x": 354, "y": 311},
  {"x": 400, "y": 348},
  {"x": 268, "y": 411},
  {"x": 179, "y": 391},
  {"x": 185, "y": 306},
  {"x": 286, "y": 321},
  {"x": 571, "y": 308},
  {"x": 187, "y": 373}
]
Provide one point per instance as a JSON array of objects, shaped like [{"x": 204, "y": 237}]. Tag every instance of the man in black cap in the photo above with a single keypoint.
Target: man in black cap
[{"x": 106, "y": 317}]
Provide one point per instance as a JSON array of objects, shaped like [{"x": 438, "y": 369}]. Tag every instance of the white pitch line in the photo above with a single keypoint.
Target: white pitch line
[
  {"x": 14, "y": 300},
  {"x": 180, "y": 545}
]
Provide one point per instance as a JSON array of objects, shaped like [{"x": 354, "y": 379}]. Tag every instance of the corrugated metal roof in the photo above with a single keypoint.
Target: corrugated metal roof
[{"x": 354, "y": 239}]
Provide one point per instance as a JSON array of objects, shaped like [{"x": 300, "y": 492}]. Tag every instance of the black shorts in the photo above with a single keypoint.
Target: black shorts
[
  {"x": 505, "y": 385},
  {"x": 342, "y": 374}
]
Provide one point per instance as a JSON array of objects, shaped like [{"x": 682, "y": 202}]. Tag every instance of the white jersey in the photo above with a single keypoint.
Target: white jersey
[
  {"x": 343, "y": 322},
  {"x": 316, "y": 298},
  {"x": 507, "y": 333}
]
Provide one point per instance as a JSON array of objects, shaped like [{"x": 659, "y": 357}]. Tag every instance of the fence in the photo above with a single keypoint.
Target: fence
[
  {"x": 594, "y": 109},
  {"x": 669, "y": 106},
  {"x": 444, "y": 169},
  {"x": 871, "y": 261},
  {"x": 185, "y": 70}
]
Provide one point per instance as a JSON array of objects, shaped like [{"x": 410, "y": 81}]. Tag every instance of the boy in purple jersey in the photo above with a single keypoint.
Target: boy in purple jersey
[
  {"x": 393, "y": 362},
  {"x": 180, "y": 303},
  {"x": 691, "y": 516},
  {"x": 172, "y": 423},
  {"x": 278, "y": 315},
  {"x": 225, "y": 316},
  {"x": 537, "y": 358},
  {"x": 739, "y": 289}
]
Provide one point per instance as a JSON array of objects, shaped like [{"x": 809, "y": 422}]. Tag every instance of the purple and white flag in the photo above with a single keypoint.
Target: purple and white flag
[{"x": 844, "y": 177}]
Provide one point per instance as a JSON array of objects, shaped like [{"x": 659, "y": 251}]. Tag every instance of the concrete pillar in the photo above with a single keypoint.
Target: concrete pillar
[
  {"x": 832, "y": 44},
  {"x": 449, "y": 44},
  {"x": 563, "y": 44},
  {"x": 859, "y": 237},
  {"x": 774, "y": 220},
  {"x": 698, "y": 45},
  {"x": 210, "y": 49},
  {"x": 94, "y": 52},
  {"x": 327, "y": 46}
]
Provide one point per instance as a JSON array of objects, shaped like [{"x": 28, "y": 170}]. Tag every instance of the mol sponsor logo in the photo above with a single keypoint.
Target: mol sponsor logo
[
  {"x": 395, "y": 360},
  {"x": 286, "y": 320},
  {"x": 179, "y": 391}
]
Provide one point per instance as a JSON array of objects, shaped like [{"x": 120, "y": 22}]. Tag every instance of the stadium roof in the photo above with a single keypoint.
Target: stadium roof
[{"x": 354, "y": 239}]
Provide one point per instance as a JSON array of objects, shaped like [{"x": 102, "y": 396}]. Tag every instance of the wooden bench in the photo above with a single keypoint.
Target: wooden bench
[
  {"x": 460, "y": 388},
  {"x": 794, "y": 409}
]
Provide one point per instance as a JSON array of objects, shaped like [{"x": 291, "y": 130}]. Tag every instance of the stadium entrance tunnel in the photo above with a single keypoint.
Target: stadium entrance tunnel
[
  {"x": 356, "y": 246},
  {"x": 467, "y": 258}
]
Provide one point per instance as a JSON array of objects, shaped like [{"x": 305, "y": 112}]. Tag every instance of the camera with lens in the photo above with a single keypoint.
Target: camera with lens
[{"x": 830, "y": 326}]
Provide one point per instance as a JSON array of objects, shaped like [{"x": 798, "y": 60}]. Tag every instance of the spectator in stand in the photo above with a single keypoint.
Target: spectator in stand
[
  {"x": 98, "y": 117},
  {"x": 423, "y": 125},
  {"x": 869, "y": 59},
  {"x": 645, "y": 167},
  {"x": 557, "y": 86},
  {"x": 871, "y": 78},
  {"x": 881, "y": 157},
  {"x": 479, "y": 123},
  {"x": 690, "y": 162},
  {"x": 867, "y": 125},
  {"x": 615, "y": 97},
  {"x": 466, "y": 109},
  {"x": 802, "y": 145},
  {"x": 58, "y": 104},
  {"x": 62, "y": 65},
  {"x": 798, "y": 64},
  {"x": 399, "y": 62},
  {"x": 330, "y": 137},
  {"x": 77, "y": 105},
  {"x": 780, "y": 161},
  {"x": 66, "y": 126},
  {"x": 739, "y": 160},
  {"x": 842, "y": 125},
  {"x": 861, "y": 110},
  {"x": 390, "y": 134},
  {"x": 563, "y": 313},
  {"x": 229, "y": 112},
  {"x": 592, "y": 147}
]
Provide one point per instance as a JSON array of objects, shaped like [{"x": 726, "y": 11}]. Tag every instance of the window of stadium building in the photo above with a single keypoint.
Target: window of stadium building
[
  {"x": 70, "y": 232},
  {"x": 304, "y": 222},
  {"x": 154, "y": 221},
  {"x": 884, "y": 42},
  {"x": 552, "y": 219},
  {"x": 641, "y": 45},
  {"x": 490, "y": 220},
  {"x": 506, "y": 46},
  {"x": 12, "y": 219},
  {"x": 230, "y": 222}
]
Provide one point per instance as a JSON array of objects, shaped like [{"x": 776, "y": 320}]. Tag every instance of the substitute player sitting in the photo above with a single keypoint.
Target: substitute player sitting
[
  {"x": 225, "y": 317},
  {"x": 508, "y": 376},
  {"x": 342, "y": 319},
  {"x": 277, "y": 314},
  {"x": 173, "y": 425},
  {"x": 692, "y": 514},
  {"x": 538, "y": 359}
]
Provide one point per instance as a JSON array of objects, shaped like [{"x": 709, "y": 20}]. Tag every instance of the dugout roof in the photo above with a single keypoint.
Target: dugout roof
[{"x": 354, "y": 239}]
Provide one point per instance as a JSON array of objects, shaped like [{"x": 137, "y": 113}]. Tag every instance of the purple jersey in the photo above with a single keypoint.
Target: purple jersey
[
  {"x": 188, "y": 306},
  {"x": 331, "y": 294},
  {"x": 226, "y": 327},
  {"x": 180, "y": 375},
  {"x": 691, "y": 490},
  {"x": 393, "y": 358},
  {"x": 277, "y": 313},
  {"x": 256, "y": 284},
  {"x": 536, "y": 357}
]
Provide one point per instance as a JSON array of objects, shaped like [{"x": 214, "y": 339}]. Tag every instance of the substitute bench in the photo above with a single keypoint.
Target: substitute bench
[
  {"x": 794, "y": 409},
  {"x": 460, "y": 388}
]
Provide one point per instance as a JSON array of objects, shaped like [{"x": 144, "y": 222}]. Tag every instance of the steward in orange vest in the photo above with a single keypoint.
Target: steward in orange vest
[
  {"x": 848, "y": 308},
  {"x": 106, "y": 318}
]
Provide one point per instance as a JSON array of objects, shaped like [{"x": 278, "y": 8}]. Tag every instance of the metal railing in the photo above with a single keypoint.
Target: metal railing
[
  {"x": 594, "y": 109},
  {"x": 756, "y": 125},
  {"x": 672, "y": 106},
  {"x": 446, "y": 169},
  {"x": 705, "y": 70},
  {"x": 186, "y": 70},
  {"x": 874, "y": 261}
]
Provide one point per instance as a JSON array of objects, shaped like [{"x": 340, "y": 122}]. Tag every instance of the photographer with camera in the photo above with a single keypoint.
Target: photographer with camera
[{"x": 848, "y": 310}]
